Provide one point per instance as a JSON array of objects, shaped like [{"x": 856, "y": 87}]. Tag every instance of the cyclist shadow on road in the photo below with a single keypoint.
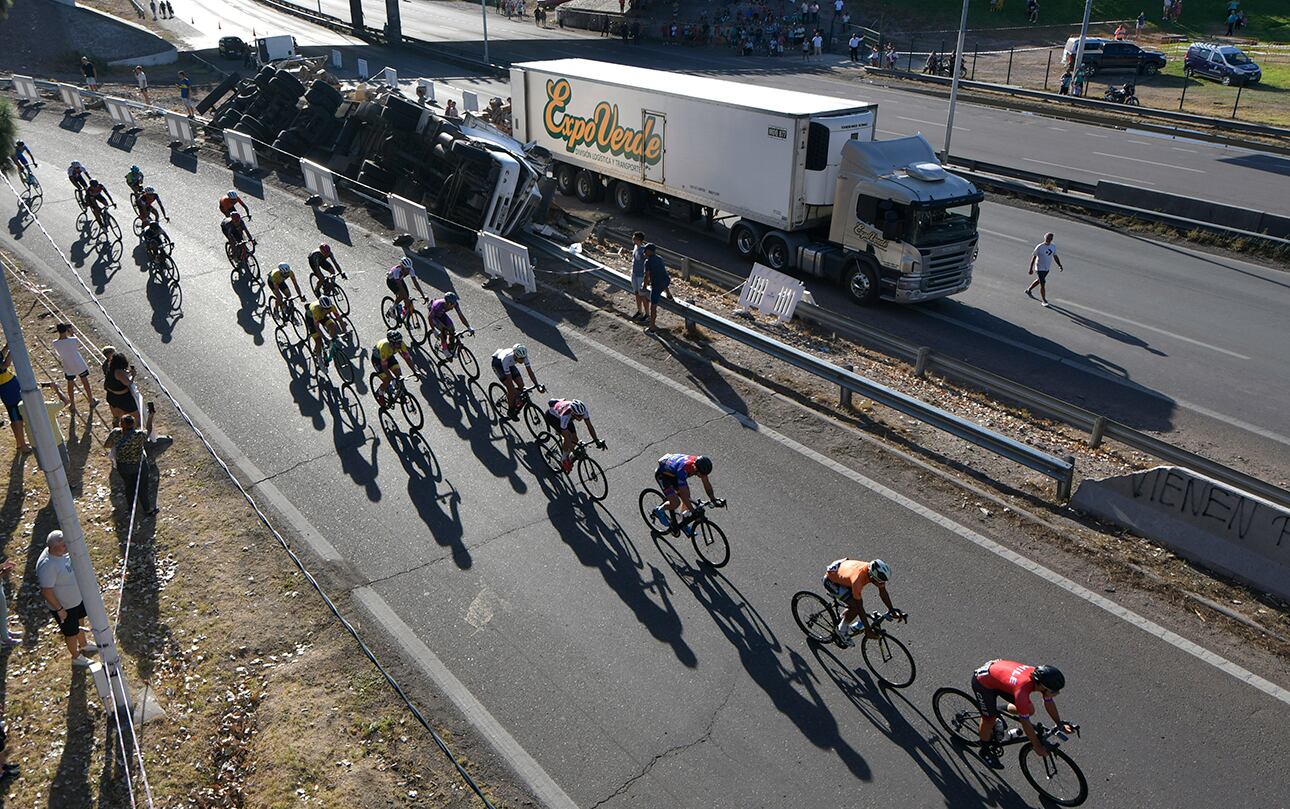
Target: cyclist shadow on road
[
  {"x": 702, "y": 371},
  {"x": 356, "y": 445},
  {"x": 887, "y": 708},
  {"x": 250, "y": 314},
  {"x": 19, "y": 221},
  {"x": 463, "y": 406}
]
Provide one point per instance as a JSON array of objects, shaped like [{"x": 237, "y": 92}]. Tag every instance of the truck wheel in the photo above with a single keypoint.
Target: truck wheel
[
  {"x": 627, "y": 197},
  {"x": 776, "y": 252},
  {"x": 564, "y": 177},
  {"x": 862, "y": 283},
  {"x": 746, "y": 240},
  {"x": 587, "y": 186}
]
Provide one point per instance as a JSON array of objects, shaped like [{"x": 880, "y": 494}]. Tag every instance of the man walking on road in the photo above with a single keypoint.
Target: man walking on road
[{"x": 1041, "y": 261}]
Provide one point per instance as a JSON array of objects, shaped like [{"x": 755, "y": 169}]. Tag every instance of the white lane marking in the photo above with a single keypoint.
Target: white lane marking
[
  {"x": 1140, "y": 142},
  {"x": 1181, "y": 149},
  {"x": 1059, "y": 129},
  {"x": 1082, "y": 170},
  {"x": 1150, "y": 162},
  {"x": 1174, "y": 335},
  {"x": 1094, "y": 135},
  {"x": 932, "y": 123},
  {"x": 1128, "y": 616},
  {"x": 889, "y": 132},
  {"x": 1008, "y": 236}
]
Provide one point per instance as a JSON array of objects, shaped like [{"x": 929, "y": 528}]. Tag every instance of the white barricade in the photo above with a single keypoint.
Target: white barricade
[
  {"x": 241, "y": 149},
  {"x": 771, "y": 292},
  {"x": 320, "y": 181},
  {"x": 429, "y": 85},
  {"x": 71, "y": 96},
  {"x": 336, "y": 60},
  {"x": 122, "y": 115},
  {"x": 25, "y": 87},
  {"x": 507, "y": 260},
  {"x": 391, "y": 77},
  {"x": 412, "y": 219},
  {"x": 180, "y": 128},
  {"x": 362, "y": 69},
  {"x": 469, "y": 101}
]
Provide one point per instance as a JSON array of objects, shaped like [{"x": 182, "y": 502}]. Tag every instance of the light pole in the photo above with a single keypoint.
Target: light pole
[
  {"x": 954, "y": 83},
  {"x": 1079, "y": 48},
  {"x": 483, "y": 10}
]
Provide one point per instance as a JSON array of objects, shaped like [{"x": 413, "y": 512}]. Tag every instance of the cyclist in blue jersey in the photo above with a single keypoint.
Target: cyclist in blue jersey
[{"x": 673, "y": 477}]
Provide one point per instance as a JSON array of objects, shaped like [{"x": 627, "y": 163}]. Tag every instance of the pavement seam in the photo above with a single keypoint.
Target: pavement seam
[{"x": 438, "y": 559}]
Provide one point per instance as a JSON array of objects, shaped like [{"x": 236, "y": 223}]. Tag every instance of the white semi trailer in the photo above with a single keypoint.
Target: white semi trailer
[{"x": 798, "y": 177}]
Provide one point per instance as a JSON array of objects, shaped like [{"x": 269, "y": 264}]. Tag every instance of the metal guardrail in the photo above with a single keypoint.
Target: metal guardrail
[
  {"x": 972, "y": 164},
  {"x": 925, "y": 359}
]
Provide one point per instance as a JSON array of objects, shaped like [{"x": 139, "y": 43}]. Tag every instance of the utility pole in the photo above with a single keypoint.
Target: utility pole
[
  {"x": 1079, "y": 48},
  {"x": 108, "y": 676},
  {"x": 483, "y": 10},
  {"x": 954, "y": 83}
]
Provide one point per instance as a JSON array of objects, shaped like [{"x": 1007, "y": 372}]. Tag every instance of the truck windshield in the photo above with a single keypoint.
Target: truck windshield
[{"x": 933, "y": 226}]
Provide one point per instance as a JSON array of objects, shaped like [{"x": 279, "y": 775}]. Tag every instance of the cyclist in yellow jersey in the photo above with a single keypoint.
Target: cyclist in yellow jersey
[
  {"x": 385, "y": 360},
  {"x": 278, "y": 283},
  {"x": 320, "y": 315}
]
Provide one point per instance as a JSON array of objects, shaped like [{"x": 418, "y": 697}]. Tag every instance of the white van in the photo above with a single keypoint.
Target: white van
[{"x": 275, "y": 48}]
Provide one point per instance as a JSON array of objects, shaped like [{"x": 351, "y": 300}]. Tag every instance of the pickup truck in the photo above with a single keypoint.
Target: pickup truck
[{"x": 1110, "y": 54}]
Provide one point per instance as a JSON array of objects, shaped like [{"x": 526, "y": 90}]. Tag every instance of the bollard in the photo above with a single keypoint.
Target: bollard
[
  {"x": 920, "y": 364},
  {"x": 1048, "y": 69},
  {"x": 1183, "y": 98},
  {"x": 844, "y": 394},
  {"x": 691, "y": 328},
  {"x": 685, "y": 268},
  {"x": 909, "y": 68},
  {"x": 1008, "y": 80},
  {"x": 1237, "y": 103},
  {"x": 976, "y": 51},
  {"x": 1099, "y": 427},
  {"x": 1064, "y": 485}
]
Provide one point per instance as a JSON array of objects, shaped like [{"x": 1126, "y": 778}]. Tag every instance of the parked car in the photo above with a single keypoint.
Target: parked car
[
  {"x": 1226, "y": 63},
  {"x": 1111, "y": 54},
  {"x": 231, "y": 47}
]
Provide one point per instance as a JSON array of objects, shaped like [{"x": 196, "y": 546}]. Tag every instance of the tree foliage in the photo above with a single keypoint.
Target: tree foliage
[{"x": 8, "y": 131}]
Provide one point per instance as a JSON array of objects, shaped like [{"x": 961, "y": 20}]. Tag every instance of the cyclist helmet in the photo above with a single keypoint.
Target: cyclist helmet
[
  {"x": 327, "y": 302},
  {"x": 235, "y": 216},
  {"x": 19, "y": 144},
  {"x": 136, "y": 170},
  {"x": 325, "y": 249},
  {"x": 232, "y": 194},
  {"x": 405, "y": 263},
  {"x": 579, "y": 409},
  {"x": 76, "y": 164},
  {"x": 149, "y": 190},
  {"x": 395, "y": 337},
  {"x": 520, "y": 351},
  {"x": 450, "y": 298},
  {"x": 94, "y": 183},
  {"x": 1050, "y": 677},
  {"x": 284, "y": 267},
  {"x": 879, "y": 570},
  {"x": 703, "y": 465}
]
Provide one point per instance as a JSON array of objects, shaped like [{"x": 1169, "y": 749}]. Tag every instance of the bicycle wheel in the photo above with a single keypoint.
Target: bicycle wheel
[
  {"x": 469, "y": 364},
  {"x": 552, "y": 452},
  {"x": 296, "y": 319},
  {"x": 889, "y": 661},
  {"x": 276, "y": 311},
  {"x": 342, "y": 300},
  {"x": 533, "y": 419},
  {"x": 592, "y": 477},
  {"x": 815, "y": 616},
  {"x": 412, "y": 410},
  {"x": 711, "y": 544},
  {"x": 344, "y": 368},
  {"x": 1057, "y": 777},
  {"x": 253, "y": 266},
  {"x": 958, "y": 714},
  {"x": 137, "y": 226},
  {"x": 390, "y": 312},
  {"x": 228, "y": 253},
  {"x": 649, "y": 500},
  {"x": 418, "y": 331},
  {"x": 374, "y": 384},
  {"x": 500, "y": 401}
]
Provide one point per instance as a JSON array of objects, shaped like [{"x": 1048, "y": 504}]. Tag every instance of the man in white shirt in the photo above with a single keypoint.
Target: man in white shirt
[
  {"x": 1041, "y": 261},
  {"x": 854, "y": 45},
  {"x": 62, "y": 595},
  {"x": 817, "y": 42},
  {"x": 68, "y": 348}
]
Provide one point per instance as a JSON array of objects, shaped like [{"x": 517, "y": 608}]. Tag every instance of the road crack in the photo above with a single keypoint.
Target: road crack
[{"x": 645, "y": 448}]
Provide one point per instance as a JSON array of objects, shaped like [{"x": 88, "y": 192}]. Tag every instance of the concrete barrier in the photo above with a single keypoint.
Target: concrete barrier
[
  {"x": 1197, "y": 207},
  {"x": 1221, "y": 528}
]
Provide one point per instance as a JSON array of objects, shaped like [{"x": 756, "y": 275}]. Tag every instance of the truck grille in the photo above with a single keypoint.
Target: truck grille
[{"x": 946, "y": 266}]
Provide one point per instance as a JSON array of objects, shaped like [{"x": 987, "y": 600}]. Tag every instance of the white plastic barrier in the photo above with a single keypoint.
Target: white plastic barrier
[
  {"x": 412, "y": 219},
  {"x": 71, "y": 96},
  {"x": 507, "y": 260},
  {"x": 362, "y": 69},
  {"x": 469, "y": 101},
  {"x": 336, "y": 60},
  {"x": 241, "y": 149},
  {"x": 391, "y": 77},
  {"x": 120, "y": 112},
  {"x": 429, "y": 85},
  {"x": 180, "y": 128},
  {"x": 771, "y": 292},
  {"x": 320, "y": 181},
  {"x": 25, "y": 87}
]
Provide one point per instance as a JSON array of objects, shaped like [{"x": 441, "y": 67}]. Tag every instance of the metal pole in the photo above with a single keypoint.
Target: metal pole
[
  {"x": 1008, "y": 80},
  {"x": 976, "y": 51},
  {"x": 1237, "y": 103},
  {"x": 51, "y": 462},
  {"x": 1182, "y": 98},
  {"x": 909, "y": 67},
  {"x": 954, "y": 82},
  {"x": 1048, "y": 69},
  {"x": 483, "y": 11},
  {"x": 1079, "y": 49}
]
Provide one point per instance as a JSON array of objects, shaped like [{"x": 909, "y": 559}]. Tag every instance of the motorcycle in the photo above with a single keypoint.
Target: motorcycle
[{"x": 1123, "y": 94}]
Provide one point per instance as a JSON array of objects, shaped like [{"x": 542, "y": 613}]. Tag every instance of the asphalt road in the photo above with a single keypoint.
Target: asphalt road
[{"x": 634, "y": 677}]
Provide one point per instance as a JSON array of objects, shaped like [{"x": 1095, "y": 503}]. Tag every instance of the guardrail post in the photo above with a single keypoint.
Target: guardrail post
[
  {"x": 909, "y": 68},
  {"x": 1099, "y": 429},
  {"x": 976, "y": 51},
  {"x": 844, "y": 394},
  {"x": 1064, "y": 485},
  {"x": 1008, "y": 80},
  {"x": 1048, "y": 68},
  {"x": 1237, "y": 103},
  {"x": 1182, "y": 98},
  {"x": 685, "y": 268},
  {"x": 920, "y": 364}
]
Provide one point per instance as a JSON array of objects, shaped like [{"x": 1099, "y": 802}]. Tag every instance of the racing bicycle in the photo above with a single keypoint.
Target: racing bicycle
[
  {"x": 526, "y": 409},
  {"x": 457, "y": 350},
  {"x": 591, "y": 475},
  {"x": 397, "y": 395},
  {"x": 888, "y": 658},
  {"x": 395, "y": 316},
  {"x": 709, "y": 540}
]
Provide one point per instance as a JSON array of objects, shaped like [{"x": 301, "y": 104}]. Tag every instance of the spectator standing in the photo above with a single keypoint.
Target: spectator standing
[
  {"x": 11, "y": 395},
  {"x": 638, "y": 276},
  {"x": 1177, "y": 13},
  {"x": 656, "y": 278},
  {"x": 186, "y": 93},
  {"x": 1066, "y": 83},
  {"x": 8, "y": 637},
  {"x": 1167, "y": 7},
  {"x": 1032, "y": 11},
  {"x": 450, "y": 111},
  {"x": 153, "y": 4},
  {"x": 837, "y": 7},
  {"x": 817, "y": 43},
  {"x": 421, "y": 95},
  {"x": 91, "y": 75},
  {"x": 1232, "y": 19},
  {"x": 806, "y": 47},
  {"x": 854, "y": 45},
  {"x": 815, "y": 13},
  {"x": 118, "y": 385},
  {"x": 142, "y": 79},
  {"x": 1041, "y": 261},
  {"x": 846, "y": 19},
  {"x": 63, "y": 597},
  {"x": 1141, "y": 25},
  {"x": 131, "y": 451},
  {"x": 1121, "y": 32}
]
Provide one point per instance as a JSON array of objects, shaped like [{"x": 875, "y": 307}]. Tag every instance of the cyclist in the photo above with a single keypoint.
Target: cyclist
[
  {"x": 154, "y": 240},
  {"x": 560, "y": 417},
  {"x": 319, "y": 315},
  {"x": 845, "y": 579},
  {"x": 229, "y": 202},
  {"x": 1016, "y": 683},
  {"x": 440, "y": 308},
  {"x": 235, "y": 230},
  {"x": 97, "y": 198},
  {"x": 20, "y": 155},
  {"x": 145, "y": 210},
  {"x": 506, "y": 365},
  {"x": 672, "y": 476},
  {"x": 322, "y": 261},
  {"x": 278, "y": 279},
  {"x": 79, "y": 175},
  {"x": 134, "y": 180},
  {"x": 385, "y": 360},
  {"x": 394, "y": 281}
]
